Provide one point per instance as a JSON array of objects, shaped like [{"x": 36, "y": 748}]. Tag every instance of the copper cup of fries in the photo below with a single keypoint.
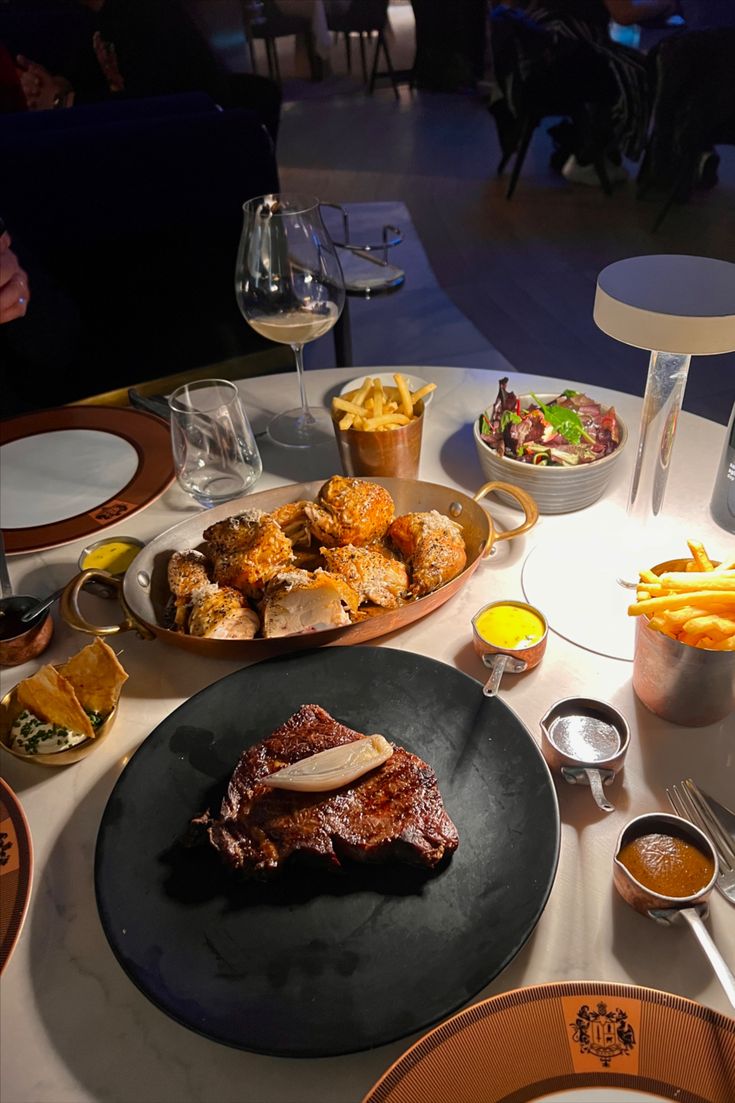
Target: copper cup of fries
[
  {"x": 684, "y": 659},
  {"x": 378, "y": 428}
]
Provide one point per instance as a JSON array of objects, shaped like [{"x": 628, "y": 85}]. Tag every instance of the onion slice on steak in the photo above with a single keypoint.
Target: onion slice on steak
[{"x": 333, "y": 768}]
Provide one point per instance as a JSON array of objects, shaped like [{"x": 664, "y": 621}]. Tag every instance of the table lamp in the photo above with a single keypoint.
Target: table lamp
[{"x": 675, "y": 307}]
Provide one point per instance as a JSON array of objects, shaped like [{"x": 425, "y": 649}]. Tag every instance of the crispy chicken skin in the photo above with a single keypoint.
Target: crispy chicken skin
[
  {"x": 187, "y": 571},
  {"x": 221, "y": 613},
  {"x": 434, "y": 547},
  {"x": 234, "y": 532},
  {"x": 247, "y": 550},
  {"x": 302, "y": 601},
  {"x": 293, "y": 520},
  {"x": 350, "y": 511},
  {"x": 372, "y": 572}
]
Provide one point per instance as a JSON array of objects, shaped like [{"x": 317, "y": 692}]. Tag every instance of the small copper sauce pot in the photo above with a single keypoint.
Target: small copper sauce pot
[
  {"x": 20, "y": 642},
  {"x": 511, "y": 660},
  {"x": 586, "y": 741},
  {"x": 666, "y": 910},
  {"x": 639, "y": 896}
]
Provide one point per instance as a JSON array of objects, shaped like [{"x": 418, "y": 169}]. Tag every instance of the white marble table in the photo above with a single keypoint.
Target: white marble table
[{"x": 74, "y": 1028}]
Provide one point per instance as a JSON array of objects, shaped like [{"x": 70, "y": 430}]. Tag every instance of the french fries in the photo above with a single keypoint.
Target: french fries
[
  {"x": 695, "y": 606},
  {"x": 376, "y": 408}
]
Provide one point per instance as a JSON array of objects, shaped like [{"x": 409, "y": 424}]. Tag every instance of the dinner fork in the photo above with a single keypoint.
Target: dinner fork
[{"x": 688, "y": 802}]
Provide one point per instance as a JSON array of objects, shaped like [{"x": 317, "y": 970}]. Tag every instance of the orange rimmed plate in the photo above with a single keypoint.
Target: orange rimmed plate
[
  {"x": 71, "y": 472},
  {"x": 16, "y": 870},
  {"x": 582, "y": 1041}
]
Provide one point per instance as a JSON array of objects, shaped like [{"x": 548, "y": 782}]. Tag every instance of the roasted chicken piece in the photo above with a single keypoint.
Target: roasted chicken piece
[
  {"x": 187, "y": 571},
  {"x": 293, "y": 520},
  {"x": 247, "y": 550},
  {"x": 434, "y": 547},
  {"x": 221, "y": 613},
  {"x": 350, "y": 511},
  {"x": 302, "y": 601},
  {"x": 372, "y": 571}
]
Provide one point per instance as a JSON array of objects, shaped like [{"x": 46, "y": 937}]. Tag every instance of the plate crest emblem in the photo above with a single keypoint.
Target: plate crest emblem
[
  {"x": 6, "y": 846},
  {"x": 603, "y": 1033},
  {"x": 110, "y": 511}
]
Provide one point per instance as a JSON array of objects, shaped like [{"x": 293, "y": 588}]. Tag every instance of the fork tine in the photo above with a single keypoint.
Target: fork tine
[
  {"x": 676, "y": 802},
  {"x": 713, "y": 827},
  {"x": 684, "y": 805}
]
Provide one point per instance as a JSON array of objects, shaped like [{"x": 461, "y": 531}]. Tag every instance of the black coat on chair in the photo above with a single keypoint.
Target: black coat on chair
[{"x": 538, "y": 75}]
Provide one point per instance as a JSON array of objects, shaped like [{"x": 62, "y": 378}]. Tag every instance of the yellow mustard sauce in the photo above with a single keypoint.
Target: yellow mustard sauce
[
  {"x": 509, "y": 626},
  {"x": 667, "y": 864},
  {"x": 114, "y": 556}
]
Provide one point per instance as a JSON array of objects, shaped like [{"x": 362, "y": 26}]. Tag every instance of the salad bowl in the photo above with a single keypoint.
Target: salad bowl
[{"x": 556, "y": 489}]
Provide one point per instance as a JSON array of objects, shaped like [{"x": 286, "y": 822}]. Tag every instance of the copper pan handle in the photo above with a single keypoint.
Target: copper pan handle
[
  {"x": 72, "y": 614},
  {"x": 527, "y": 504}
]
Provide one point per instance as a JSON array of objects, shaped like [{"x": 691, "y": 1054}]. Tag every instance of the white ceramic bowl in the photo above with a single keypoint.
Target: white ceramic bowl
[
  {"x": 415, "y": 383},
  {"x": 555, "y": 489}
]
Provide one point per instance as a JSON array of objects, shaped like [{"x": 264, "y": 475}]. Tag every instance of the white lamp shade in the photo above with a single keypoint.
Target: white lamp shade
[{"x": 669, "y": 303}]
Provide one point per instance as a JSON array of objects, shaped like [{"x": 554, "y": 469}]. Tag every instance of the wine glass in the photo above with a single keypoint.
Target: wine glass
[{"x": 289, "y": 287}]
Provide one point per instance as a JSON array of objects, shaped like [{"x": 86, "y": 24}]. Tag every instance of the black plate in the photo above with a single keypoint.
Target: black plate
[{"x": 322, "y": 964}]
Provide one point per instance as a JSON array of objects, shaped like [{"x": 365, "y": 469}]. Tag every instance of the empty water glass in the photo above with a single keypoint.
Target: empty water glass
[{"x": 215, "y": 453}]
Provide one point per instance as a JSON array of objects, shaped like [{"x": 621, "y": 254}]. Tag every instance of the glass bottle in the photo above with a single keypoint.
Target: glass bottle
[{"x": 722, "y": 504}]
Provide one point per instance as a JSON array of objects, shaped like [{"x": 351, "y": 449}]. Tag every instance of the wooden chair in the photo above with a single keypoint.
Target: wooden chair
[
  {"x": 263, "y": 21},
  {"x": 365, "y": 18}
]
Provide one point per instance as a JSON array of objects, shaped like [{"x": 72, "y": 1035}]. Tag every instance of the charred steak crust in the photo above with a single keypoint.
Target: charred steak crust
[{"x": 393, "y": 813}]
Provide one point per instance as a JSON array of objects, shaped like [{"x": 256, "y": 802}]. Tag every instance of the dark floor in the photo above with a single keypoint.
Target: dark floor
[{"x": 523, "y": 271}]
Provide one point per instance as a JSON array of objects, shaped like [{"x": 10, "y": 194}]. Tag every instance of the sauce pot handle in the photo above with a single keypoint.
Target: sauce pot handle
[
  {"x": 527, "y": 504},
  {"x": 72, "y": 614}
]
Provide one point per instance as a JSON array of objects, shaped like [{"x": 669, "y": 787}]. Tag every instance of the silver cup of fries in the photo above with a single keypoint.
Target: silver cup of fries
[
  {"x": 378, "y": 428},
  {"x": 684, "y": 659}
]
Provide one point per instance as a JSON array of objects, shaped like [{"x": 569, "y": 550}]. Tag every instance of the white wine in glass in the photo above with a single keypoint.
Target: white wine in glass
[{"x": 289, "y": 287}]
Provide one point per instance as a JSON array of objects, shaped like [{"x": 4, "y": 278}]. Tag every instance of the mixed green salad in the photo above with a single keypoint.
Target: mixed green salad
[{"x": 570, "y": 429}]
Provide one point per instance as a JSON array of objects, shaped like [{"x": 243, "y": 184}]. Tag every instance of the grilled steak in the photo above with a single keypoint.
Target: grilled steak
[{"x": 395, "y": 812}]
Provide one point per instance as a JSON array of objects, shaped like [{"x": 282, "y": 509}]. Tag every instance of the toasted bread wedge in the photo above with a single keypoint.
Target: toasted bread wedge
[
  {"x": 51, "y": 697},
  {"x": 96, "y": 676}
]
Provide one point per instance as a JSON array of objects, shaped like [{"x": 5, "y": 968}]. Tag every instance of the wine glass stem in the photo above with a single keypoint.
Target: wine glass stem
[
  {"x": 667, "y": 376},
  {"x": 298, "y": 351}
]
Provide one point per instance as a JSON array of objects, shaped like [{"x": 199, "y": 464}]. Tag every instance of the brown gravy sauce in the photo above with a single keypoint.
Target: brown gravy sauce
[{"x": 667, "y": 864}]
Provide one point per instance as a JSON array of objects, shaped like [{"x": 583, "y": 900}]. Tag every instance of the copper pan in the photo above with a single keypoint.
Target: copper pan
[{"x": 144, "y": 592}]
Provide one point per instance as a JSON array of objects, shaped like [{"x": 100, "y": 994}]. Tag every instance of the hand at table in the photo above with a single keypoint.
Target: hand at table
[
  {"x": 41, "y": 89},
  {"x": 14, "y": 290}
]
